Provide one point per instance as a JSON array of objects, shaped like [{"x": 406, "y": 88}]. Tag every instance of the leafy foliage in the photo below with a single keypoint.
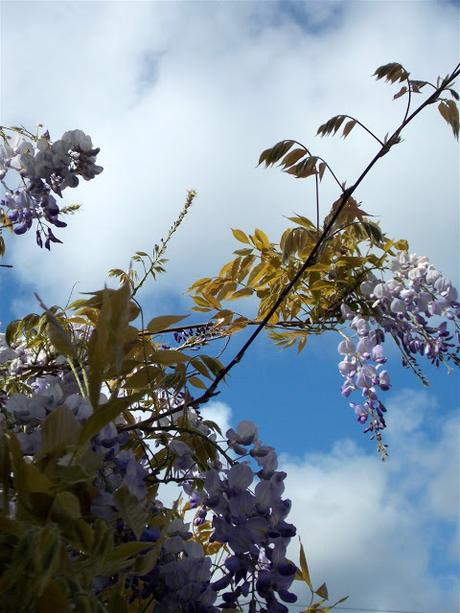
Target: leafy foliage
[{"x": 99, "y": 410}]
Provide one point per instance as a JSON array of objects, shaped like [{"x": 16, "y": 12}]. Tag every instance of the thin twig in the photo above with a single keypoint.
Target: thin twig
[{"x": 311, "y": 259}]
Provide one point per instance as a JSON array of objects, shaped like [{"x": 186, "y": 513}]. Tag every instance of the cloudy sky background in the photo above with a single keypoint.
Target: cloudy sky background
[{"x": 187, "y": 94}]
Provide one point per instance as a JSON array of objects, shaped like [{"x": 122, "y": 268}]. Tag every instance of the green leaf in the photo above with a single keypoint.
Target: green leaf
[
  {"x": 214, "y": 365},
  {"x": 144, "y": 377},
  {"x": 163, "y": 322},
  {"x": 304, "y": 568},
  {"x": 322, "y": 591},
  {"x": 240, "y": 236},
  {"x": 60, "y": 430},
  {"x": 11, "y": 526},
  {"x": 303, "y": 221},
  {"x": 128, "y": 550},
  {"x": 88, "y": 463},
  {"x": 106, "y": 347},
  {"x": 318, "y": 285},
  {"x": 130, "y": 509},
  {"x": 319, "y": 267},
  {"x": 261, "y": 239},
  {"x": 339, "y": 601},
  {"x": 13, "y": 331},
  {"x": 292, "y": 157},
  {"x": 56, "y": 333},
  {"x": 53, "y": 599},
  {"x": 200, "y": 367},
  {"x": 197, "y": 382},
  {"x": 402, "y": 245},
  {"x": 5, "y": 470},
  {"x": 168, "y": 357},
  {"x": 242, "y": 293},
  {"x": 66, "y": 503},
  {"x": 117, "y": 603}
]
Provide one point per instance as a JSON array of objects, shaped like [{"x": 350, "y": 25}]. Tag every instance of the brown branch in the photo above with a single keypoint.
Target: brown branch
[{"x": 311, "y": 259}]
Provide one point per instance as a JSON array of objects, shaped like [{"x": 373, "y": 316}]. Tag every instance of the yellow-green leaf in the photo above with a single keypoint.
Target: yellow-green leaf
[
  {"x": 200, "y": 367},
  {"x": 402, "y": 245},
  {"x": 292, "y": 157},
  {"x": 240, "y": 236},
  {"x": 167, "y": 357},
  {"x": 322, "y": 591},
  {"x": 319, "y": 267},
  {"x": 197, "y": 382},
  {"x": 261, "y": 239},
  {"x": 163, "y": 322},
  {"x": 241, "y": 293},
  {"x": 143, "y": 377},
  {"x": 214, "y": 365},
  {"x": 304, "y": 568}
]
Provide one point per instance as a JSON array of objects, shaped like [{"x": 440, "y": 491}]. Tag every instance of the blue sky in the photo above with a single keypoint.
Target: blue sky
[{"x": 187, "y": 94}]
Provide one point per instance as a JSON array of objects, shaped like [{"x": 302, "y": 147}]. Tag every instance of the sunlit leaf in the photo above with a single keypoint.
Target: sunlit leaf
[
  {"x": 131, "y": 510},
  {"x": 261, "y": 239},
  {"x": 168, "y": 357},
  {"x": 240, "y": 236},
  {"x": 242, "y": 293},
  {"x": 292, "y": 157},
  {"x": 197, "y": 382},
  {"x": 322, "y": 591},
  {"x": 60, "y": 431},
  {"x": 214, "y": 365},
  {"x": 57, "y": 335},
  {"x": 304, "y": 568},
  {"x": 164, "y": 322}
]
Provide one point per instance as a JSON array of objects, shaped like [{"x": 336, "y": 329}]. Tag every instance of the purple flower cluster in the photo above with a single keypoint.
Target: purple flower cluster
[
  {"x": 408, "y": 307},
  {"x": 251, "y": 523},
  {"x": 181, "y": 579},
  {"x": 244, "y": 498},
  {"x": 362, "y": 368},
  {"x": 195, "y": 337},
  {"x": 44, "y": 167}
]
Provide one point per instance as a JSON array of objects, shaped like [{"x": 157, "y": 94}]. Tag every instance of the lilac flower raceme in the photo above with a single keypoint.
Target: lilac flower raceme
[
  {"x": 248, "y": 515},
  {"x": 44, "y": 167},
  {"x": 242, "y": 499},
  {"x": 407, "y": 307}
]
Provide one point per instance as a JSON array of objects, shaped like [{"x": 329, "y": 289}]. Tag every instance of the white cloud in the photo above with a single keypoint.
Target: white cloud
[
  {"x": 183, "y": 95},
  {"x": 372, "y": 529},
  {"x": 219, "y": 413}
]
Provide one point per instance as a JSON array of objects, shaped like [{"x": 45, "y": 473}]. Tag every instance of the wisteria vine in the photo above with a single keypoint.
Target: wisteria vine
[
  {"x": 417, "y": 307},
  {"x": 83, "y": 513},
  {"x": 44, "y": 168}
]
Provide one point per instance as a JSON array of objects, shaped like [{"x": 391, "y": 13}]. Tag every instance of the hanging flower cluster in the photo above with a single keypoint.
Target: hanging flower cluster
[
  {"x": 251, "y": 522},
  {"x": 241, "y": 496},
  {"x": 418, "y": 307},
  {"x": 45, "y": 168}
]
